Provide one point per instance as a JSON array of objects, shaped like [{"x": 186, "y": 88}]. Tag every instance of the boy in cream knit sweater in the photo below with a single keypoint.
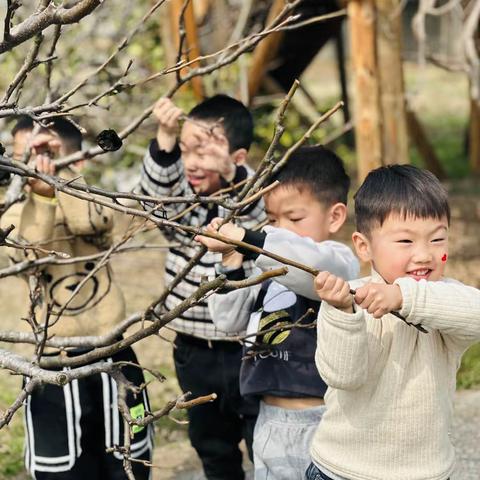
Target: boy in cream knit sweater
[{"x": 389, "y": 405}]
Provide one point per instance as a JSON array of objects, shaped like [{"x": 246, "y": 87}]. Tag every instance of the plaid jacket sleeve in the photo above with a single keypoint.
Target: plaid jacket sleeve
[{"x": 163, "y": 175}]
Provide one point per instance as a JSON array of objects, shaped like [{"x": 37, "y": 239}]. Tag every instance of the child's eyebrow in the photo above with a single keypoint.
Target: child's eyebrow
[
  {"x": 286, "y": 212},
  {"x": 294, "y": 210},
  {"x": 440, "y": 227},
  {"x": 434, "y": 230}
]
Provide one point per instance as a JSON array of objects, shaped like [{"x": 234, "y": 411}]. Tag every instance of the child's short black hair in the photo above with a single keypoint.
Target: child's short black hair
[
  {"x": 318, "y": 169},
  {"x": 236, "y": 119},
  {"x": 402, "y": 189},
  {"x": 66, "y": 130}
]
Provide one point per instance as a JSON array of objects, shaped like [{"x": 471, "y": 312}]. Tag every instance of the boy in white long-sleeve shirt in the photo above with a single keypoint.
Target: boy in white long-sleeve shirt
[
  {"x": 389, "y": 405},
  {"x": 306, "y": 208}
]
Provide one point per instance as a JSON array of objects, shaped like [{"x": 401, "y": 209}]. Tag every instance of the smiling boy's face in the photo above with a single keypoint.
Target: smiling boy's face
[
  {"x": 206, "y": 155},
  {"x": 406, "y": 247},
  {"x": 192, "y": 141},
  {"x": 298, "y": 210}
]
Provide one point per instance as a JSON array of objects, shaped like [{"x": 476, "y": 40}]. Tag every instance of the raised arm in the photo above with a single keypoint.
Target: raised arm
[
  {"x": 230, "y": 311},
  {"x": 330, "y": 256},
  {"x": 162, "y": 170}
]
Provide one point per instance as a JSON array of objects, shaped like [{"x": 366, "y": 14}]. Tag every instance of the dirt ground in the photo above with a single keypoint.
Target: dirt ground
[{"x": 140, "y": 276}]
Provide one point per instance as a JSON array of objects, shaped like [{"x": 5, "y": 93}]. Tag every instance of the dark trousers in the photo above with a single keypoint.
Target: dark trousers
[
  {"x": 69, "y": 428},
  {"x": 216, "y": 428},
  {"x": 313, "y": 473}
]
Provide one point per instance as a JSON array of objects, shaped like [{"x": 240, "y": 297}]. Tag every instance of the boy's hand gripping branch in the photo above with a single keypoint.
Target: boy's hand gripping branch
[{"x": 377, "y": 299}]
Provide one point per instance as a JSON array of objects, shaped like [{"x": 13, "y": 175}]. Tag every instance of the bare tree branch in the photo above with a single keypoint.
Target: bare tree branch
[{"x": 51, "y": 15}]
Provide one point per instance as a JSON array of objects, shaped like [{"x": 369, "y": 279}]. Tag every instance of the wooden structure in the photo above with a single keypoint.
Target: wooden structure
[
  {"x": 380, "y": 125},
  {"x": 181, "y": 22},
  {"x": 383, "y": 122}
]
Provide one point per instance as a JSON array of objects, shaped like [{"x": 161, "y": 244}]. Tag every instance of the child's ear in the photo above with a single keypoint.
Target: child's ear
[
  {"x": 362, "y": 246},
  {"x": 239, "y": 156},
  {"x": 338, "y": 215}
]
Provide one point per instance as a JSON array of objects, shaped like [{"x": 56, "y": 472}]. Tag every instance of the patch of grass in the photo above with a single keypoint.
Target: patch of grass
[
  {"x": 11, "y": 438},
  {"x": 469, "y": 373}
]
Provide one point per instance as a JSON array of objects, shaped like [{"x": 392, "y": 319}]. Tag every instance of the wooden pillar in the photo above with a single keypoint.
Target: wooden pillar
[
  {"x": 191, "y": 38},
  {"x": 392, "y": 96},
  {"x": 380, "y": 118},
  {"x": 368, "y": 135},
  {"x": 264, "y": 52}
]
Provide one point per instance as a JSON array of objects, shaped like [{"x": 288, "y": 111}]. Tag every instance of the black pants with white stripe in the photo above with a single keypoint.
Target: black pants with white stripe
[
  {"x": 216, "y": 428},
  {"x": 68, "y": 429}
]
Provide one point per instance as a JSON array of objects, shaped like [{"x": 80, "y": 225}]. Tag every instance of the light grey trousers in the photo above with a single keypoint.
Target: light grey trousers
[{"x": 281, "y": 441}]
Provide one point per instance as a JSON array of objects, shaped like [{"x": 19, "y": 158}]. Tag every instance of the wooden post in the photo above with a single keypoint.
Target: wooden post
[
  {"x": 264, "y": 52},
  {"x": 368, "y": 135},
  {"x": 390, "y": 69},
  {"x": 191, "y": 38}
]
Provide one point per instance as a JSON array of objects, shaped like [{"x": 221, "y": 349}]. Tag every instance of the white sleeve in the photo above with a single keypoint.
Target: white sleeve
[
  {"x": 329, "y": 255},
  {"x": 230, "y": 312}
]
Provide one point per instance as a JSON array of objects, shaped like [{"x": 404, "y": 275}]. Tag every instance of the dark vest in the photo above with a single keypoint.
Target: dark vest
[{"x": 281, "y": 362}]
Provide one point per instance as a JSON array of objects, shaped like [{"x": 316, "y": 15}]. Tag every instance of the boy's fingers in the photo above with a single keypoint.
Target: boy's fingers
[
  {"x": 320, "y": 280},
  {"x": 330, "y": 283},
  {"x": 41, "y": 163},
  {"x": 361, "y": 294},
  {"x": 202, "y": 239},
  {"x": 219, "y": 138},
  {"x": 171, "y": 116},
  {"x": 54, "y": 145},
  {"x": 346, "y": 290},
  {"x": 50, "y": 167},
  {"x": 162, "y": 103},
  {"x": 216, "y": 223}
]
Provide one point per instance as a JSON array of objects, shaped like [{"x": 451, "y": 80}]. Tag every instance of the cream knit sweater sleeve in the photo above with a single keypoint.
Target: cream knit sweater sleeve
[
  {"x": 345, "y": 366},
  {"x": 447, "y": 306}
]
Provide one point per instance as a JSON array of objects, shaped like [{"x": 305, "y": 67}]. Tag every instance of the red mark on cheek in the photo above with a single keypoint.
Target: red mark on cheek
[{"x": 444, "y": 258}]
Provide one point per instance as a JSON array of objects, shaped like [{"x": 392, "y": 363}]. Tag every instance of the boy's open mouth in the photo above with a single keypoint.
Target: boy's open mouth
[
  {"x": 420, "y": 273},
  {"x": 195, "y": 179}
]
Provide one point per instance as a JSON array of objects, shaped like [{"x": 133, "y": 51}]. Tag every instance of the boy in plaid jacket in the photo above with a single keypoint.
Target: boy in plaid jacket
[{"x": 209, "y": 155}]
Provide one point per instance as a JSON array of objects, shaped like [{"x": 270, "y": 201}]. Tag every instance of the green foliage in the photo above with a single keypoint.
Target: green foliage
[
  {"x": 11, "y": 438},
  {"x": 295, "y": 128},
  {"x": 469, "y": 373},
  {"x": 447, "y": 133}
]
